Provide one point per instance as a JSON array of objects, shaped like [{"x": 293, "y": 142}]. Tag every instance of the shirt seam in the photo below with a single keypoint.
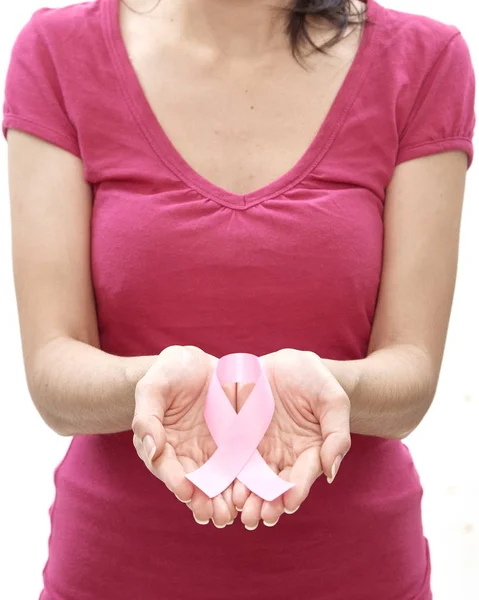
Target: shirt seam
[
  {"x": 445, "y": 139},
  {"x": 426, "y": 77},
  {"x": 9, "y": 115}
]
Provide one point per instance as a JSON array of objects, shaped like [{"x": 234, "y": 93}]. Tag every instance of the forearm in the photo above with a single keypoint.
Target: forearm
[
  {"x": 79, "y": 389},
  {"x": 390, "y": 390}
]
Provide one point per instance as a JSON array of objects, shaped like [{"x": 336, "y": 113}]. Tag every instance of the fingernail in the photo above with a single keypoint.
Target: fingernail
[
  {"x": 251, "y": 528},
  {"x": 200, "y": 522},
  {"x": 184, "y": 501},
  {"x": 238, "y": 509},
  {"x": 290, "y": 512},
  {"x": 149, "y": 446},
  {"x": 218, "y": 526},
  {"x": 268, "y": 524},
  {"x": 230, "y": 522},
  {"x": 334, "y": 470}
]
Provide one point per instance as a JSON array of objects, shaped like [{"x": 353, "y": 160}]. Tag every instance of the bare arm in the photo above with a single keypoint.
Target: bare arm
[
  {"x": 392, "y": 389},
  {"x": 76, "y": 387}
]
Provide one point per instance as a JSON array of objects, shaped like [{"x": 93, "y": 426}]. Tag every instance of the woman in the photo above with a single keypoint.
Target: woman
[{"x": 191, "y": 179}]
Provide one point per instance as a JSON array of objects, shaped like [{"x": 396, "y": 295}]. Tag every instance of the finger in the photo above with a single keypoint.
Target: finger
[
  {"x": 251, "y": 513},
  {"x": 149, "y": 413},
  {"x": 285, "y": 474},
  {"x": 228, "y": 497},
  {"x": 189, "y": 466},
  {"x": 221, "y": 514},
  {"x": 167, "y": 467},
  {"x": 303, "y": 474},
  {"x": 333, "y": 413},
  {"x": 240, "y": 495},
  {"x": 202, "y": 507},
  {"x": 272, "y": 510},
  {"x": 142, "y": 453},
  {"x": 200, "y": 504}
]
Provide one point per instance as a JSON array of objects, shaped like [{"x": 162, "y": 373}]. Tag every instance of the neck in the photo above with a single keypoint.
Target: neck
[{"x": 239, "y": 28}]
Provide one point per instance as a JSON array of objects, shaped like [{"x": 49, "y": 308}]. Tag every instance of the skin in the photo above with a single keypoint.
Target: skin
[
  {"x": 318, "y": 401},
  {"x": 308, "y": 432}
]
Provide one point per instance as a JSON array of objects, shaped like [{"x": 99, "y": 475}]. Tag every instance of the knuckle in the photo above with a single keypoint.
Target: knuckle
[
  {"x": 144, "y": 424},
  {"x": 192, "y": 349},
  {"x": 138, "y": 427},
  {"x": 178, "y": 353},
  {"x": 290, "y": 358},
  {"x": 168, "y": 356},
  {"x": 173, "y": 363},
  {"x": 288, "y": 352},
  {"x": 173, "y": 349}
]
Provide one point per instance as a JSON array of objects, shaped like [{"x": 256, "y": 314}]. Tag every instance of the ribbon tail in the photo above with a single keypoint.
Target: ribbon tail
[{"x": 257, "y": 476}]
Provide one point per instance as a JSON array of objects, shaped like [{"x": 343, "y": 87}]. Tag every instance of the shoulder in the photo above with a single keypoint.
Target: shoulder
[
  {"x": 56, "y": 62},
  {"x": 419, "y": 61},
  {"x": 62, "y": 28},
  {"x": 71, "y": 16},
  {"x": 424, "y": 81},
  {"x": 414, "y": 41},
  {"x": 60, "y": 46}
]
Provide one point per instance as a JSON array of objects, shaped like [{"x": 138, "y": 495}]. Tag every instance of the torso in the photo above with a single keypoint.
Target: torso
[
  {"x": 176, "y": 261},
  {"x": 239, "y": 123}
]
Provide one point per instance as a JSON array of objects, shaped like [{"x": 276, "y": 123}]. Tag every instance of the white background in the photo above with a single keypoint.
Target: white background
[{"x": 444, "y": 446}]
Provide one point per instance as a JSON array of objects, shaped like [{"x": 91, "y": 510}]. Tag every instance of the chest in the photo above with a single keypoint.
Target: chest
[
  {"x": 240, "y": 124},
  {"x": 187, "y": 243}
]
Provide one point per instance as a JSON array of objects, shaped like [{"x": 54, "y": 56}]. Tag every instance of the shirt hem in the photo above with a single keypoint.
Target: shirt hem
[
  {"x": 12, "y": 121},
  {"x": 437, "y": 146}
]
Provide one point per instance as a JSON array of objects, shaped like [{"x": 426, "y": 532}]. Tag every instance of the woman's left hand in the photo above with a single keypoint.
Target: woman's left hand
[{"x": 308, "y": 435}]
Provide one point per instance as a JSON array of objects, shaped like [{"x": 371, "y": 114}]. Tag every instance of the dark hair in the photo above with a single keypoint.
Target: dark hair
[{"x": 305, "y": 14}]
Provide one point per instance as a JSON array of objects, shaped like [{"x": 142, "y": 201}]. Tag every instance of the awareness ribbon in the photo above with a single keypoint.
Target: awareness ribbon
[{"x": 237, "y": 435}]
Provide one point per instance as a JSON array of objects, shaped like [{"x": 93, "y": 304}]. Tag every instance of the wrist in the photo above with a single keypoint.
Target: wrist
[
  {"x": 136, "y": 367},
  {"x": 347, "y": 373}
]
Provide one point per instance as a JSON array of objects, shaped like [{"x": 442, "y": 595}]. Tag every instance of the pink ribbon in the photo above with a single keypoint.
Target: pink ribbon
[{"x": 238, "y": 435}]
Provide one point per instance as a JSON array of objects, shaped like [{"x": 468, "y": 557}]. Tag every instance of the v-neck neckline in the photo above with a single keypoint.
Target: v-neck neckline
[{"x": 169, "y": 155}]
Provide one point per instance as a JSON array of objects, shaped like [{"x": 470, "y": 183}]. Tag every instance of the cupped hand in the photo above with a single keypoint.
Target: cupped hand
[
  {"x": 308, "y": 435},
  {"x": 170, "y": 432}
]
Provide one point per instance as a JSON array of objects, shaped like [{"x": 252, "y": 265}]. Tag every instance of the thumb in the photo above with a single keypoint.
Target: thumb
[
  {"x": 151, "y": 435},
  {"x": 148, "y": 419},
  {"x": 333, "y": 413}
]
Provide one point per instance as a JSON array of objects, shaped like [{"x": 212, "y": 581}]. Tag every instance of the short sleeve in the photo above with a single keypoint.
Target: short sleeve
[
  {"x": 443, "y": 117},
  {"x": 33, "y": 99}
]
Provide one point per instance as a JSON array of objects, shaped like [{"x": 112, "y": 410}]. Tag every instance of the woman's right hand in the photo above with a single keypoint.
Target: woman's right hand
[{"x": 170, "y": 432}]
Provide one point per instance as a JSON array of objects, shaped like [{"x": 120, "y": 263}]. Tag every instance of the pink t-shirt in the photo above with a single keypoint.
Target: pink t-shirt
[{"x": 297, "y": 263}]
